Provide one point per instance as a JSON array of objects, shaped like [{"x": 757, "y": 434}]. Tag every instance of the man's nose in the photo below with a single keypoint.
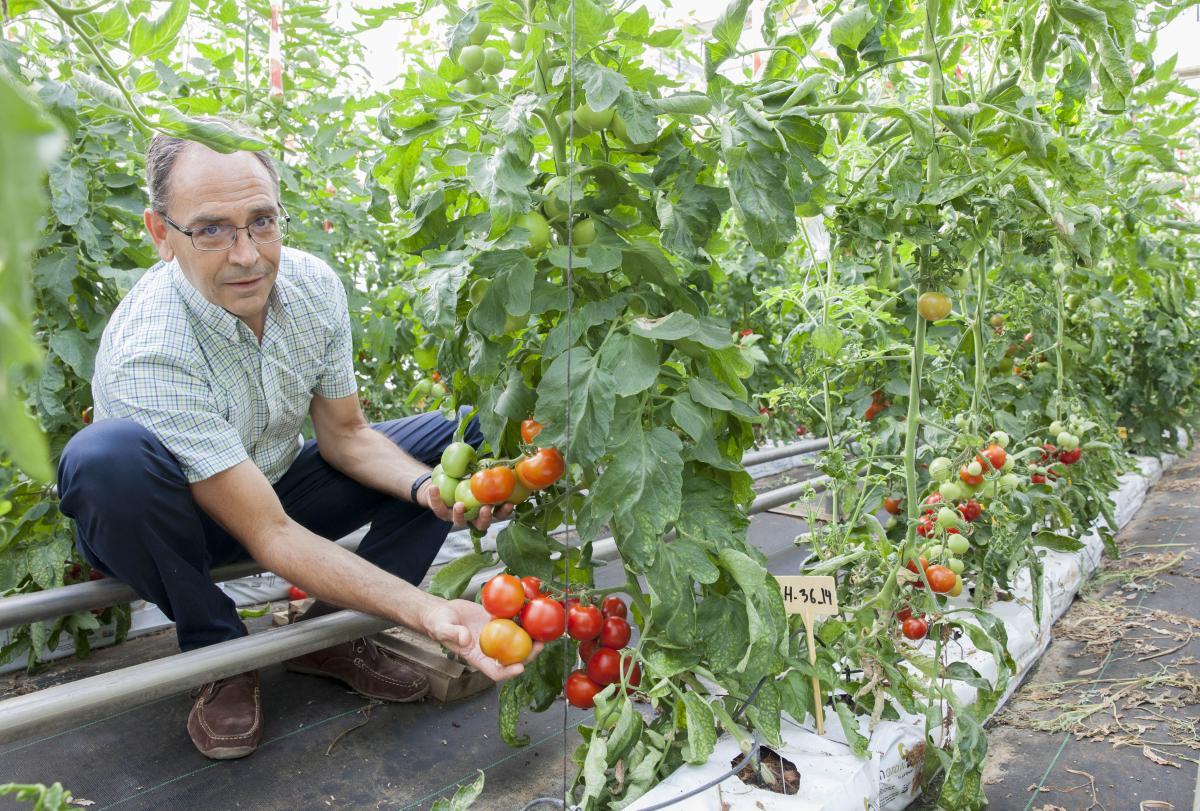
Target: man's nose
[{"x": 244, "y": 251}]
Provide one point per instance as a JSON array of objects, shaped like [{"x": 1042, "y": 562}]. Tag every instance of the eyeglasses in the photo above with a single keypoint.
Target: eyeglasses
[{"x": 265, "y": 230}]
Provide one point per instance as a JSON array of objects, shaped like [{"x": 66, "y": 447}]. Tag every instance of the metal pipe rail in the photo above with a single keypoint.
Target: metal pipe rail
[
  {"x": 98, "y": 696},
  {"x": 21, "y": 609}
]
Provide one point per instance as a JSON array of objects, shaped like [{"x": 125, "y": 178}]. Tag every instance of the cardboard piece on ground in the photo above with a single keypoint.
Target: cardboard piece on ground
[{"x": 449, "y": 679}]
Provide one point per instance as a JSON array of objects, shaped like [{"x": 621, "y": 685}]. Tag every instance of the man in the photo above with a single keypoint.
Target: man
[{"x": 204, "y": 376}]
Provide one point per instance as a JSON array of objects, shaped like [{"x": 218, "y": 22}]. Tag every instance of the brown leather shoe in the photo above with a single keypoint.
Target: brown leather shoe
[
  {"x": 370, "y": 671},
  {"x": 226, "y": 720}
]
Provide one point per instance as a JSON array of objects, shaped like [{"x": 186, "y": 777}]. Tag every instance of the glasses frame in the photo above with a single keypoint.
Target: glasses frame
[{"x": 189, "y": 232}]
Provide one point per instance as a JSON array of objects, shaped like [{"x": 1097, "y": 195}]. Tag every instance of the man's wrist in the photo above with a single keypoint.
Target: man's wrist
[{"x": 415, "y": 490}]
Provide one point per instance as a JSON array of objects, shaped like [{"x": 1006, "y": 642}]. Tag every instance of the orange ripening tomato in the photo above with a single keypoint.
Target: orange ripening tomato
[
  {"x": 542, "y": 469},
  {"x": 503, "y": 596},
  {"x": 493, "y": 485},
  {"x": 505, "y": 641},
  {"x": 529, "y": 430},
  {"x": 994, "y": 455}
]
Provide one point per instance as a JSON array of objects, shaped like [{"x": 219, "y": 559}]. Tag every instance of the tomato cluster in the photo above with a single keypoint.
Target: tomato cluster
[
  {"x": 461, "y": 477},
  {"x": 522, "y": 612},
  {"x": 428, "y": 392},
  {"x": 602, "y": 633}
]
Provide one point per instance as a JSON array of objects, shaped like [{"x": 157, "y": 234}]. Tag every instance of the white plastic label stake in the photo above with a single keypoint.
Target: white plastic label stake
[{"x": 810, "y": 596}]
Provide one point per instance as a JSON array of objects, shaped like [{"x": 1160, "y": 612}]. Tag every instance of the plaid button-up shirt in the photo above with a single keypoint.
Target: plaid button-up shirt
[{"x": 198, "y": 379}]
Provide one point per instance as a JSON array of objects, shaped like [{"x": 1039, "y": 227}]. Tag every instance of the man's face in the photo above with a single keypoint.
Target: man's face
[{"x": 207, "y": 188}]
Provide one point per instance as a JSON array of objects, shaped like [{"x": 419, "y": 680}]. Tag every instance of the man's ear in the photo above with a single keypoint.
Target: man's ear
[{"x": 157, "y": 227}]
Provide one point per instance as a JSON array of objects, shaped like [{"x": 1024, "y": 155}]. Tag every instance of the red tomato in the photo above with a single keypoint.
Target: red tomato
[
  {"x": 532, "y": 586},
  {"x": 904, "y": 613},
  {"x": 436, "y": 377},
  {"x": 1048, "y": 450},
  {"x": 941, "y": 579},
  {"x": 912, "y": 565},
  {"x": 993, "y": 456},
  {"x": 1037, "y": 478},
  {"x": 530, "y": 429},
  {"x": 505, "y": 641},
  {"x": 892, "y": 505},
  {"x": 604, "y": 666},
  {"x": 503, "y": 596},
  {"x": 933, "y": 498},
  {"x": 615, "y": 633},
  {"x": 747, "y": 332},
  {"x": 926, "y": 525},
  {"x": 873, "y": 411},
  {"x": 295, "y": 593},
  {"x": 584, "y": 622},
  {"x": 1071, "y": 457},
  {"x": 586, "y": 648},
  {"x": 542, "y": 469},
  {"x": 544, "y": 619},
  {"x": 580, "y": 690},
  {"x": 967, "y": 478},
  {"x": 493, "y": 485},
  {"x": 614, "y": 606},
  {"x": 970, "y": 510},
  {"x": 914, "y": 628}
]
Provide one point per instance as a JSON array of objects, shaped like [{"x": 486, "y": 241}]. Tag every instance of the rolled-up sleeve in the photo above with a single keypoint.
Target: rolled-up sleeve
[
  {"x": 177, "y": 406},
  {"x": 337, "y": 373}
]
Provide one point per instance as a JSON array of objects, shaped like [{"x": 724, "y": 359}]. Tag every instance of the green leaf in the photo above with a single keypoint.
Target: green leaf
[
  {"x": 849, "y": 29},
  {"x": 827, "y": 338},
  {"x": 858, "y": 743},
  {"x": 701, "y": 729},
  {"x": 726, "y": 31},
  {"x": 708, "y": 332},
  {"x": 115, "y": 22},
  {"x": 502, "y": 177},
  {"x": 632, "y": 361},
  {"x": 595, "y": 771},
  {"x": 683, "y": 104},
  {"x": 625, "y": 733},
  {"x": 601, "y": 86},
  {"x": 576, "y": 386},
  {"x": 214, "y": 135},
  {"x": 452, "y": 579},
  {"x": 527, "y": 550},
  {"x": 463, "y": 798},
  {"x": 763, "y": 204},
  {"x": 150, "y": 36},
  {"x": 1056, "y": 541}
]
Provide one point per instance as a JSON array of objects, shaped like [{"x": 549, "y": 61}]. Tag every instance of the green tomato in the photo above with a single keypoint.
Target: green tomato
[
  {"x": 592, "y": 120},
  {"x": 1009, "y": 462},
  {"x": 539, "y": 232},
  {"x": 493, "y": 61},
  {"x": 955, "y": 565},
  {"x": 470, "y": 58},
  {"x": 491, "y": 85},
  {"x": 517, "y": 41},
  {"x": 941, "y": 469},
  {"x": 952, "y": 491},
  {"x": 958, "y": 545},
  {"x": 1068, "y": 441},
  {"x": 480, "y": 33},
  {"x": 1056, "y": 428},
  {"x": 1009, "y": 482},
  {"x": 457, "y": 457},
  {"x": 891, "y": 524},
  {"x": 583, "y": 233},
  {"x": 554, "y": 208},
  {"x": 463, "y": 493},
  {"x": 947, "y": 518},
  {"x": 974, "y": 468},
  {"x": 520, "y": 494},
  {"x": 1000, "y": 438},
  {"x": 935, "y": 552},
  {"x": 421, "y": 390},
  {"x": 437, "y": 391},
  {"x": 472, "y": 85},
  {"x": 445, "y": 486}
]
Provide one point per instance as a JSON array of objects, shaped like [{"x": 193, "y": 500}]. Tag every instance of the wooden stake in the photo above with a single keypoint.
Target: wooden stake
[{"x": 810, "y": 597}]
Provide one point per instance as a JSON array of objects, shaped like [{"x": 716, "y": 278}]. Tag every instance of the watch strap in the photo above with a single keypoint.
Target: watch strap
[{"x": 416, "y": 485}]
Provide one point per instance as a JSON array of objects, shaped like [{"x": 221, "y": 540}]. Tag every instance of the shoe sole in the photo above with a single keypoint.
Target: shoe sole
[
  {"x": 228, "y": 752},
  {"x": 312, "y": 671}
]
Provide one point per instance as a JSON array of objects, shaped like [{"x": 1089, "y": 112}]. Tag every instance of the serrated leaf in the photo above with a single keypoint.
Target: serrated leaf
[
  {"x": 149, "y": 36},
  {"x": 452, "y": 579},
  {"x": 849, "y": 29},
  {"x": 577, "y": 388},
  {"x": 701, "y": 729}
]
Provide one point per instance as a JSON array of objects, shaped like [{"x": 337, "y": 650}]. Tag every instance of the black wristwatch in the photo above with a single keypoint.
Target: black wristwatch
[{"x": 412, "y": 494}]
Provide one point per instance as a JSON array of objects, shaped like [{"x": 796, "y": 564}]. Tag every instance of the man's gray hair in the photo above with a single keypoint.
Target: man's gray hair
[{"x": 164, "y": 150}]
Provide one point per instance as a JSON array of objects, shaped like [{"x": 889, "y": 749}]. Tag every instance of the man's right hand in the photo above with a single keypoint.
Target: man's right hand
[
  {"x": 457, "y": 625},
  {"x": 456, "y": 514}
]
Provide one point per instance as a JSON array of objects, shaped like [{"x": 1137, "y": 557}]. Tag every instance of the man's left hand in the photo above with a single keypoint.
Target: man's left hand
[{"x": 457, "y": 513}]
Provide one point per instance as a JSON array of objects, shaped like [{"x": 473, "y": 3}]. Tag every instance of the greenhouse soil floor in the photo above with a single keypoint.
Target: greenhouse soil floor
[{"x": 328, "y": 748}]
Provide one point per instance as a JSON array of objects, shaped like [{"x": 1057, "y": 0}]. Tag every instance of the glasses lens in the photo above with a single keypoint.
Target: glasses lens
[
  {"x": 214, "y": 237},
  {"x": 267, "y": 229}
]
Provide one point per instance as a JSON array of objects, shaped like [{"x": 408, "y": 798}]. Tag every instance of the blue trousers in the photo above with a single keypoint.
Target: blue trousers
[{"x": 136, "y": 520}]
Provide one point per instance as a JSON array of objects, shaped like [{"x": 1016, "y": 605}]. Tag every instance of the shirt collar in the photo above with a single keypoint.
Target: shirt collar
[{"x": 218, "y": 319}]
